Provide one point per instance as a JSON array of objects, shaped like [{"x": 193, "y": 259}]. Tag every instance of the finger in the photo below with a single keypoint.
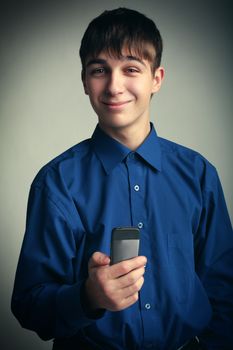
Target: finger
[
  {"x": 132, "y": 299},
  {"x": 130, "y": 278},
  {"x": 131, "y": 290},
  {"x": 98, "y": 259},
  {"x": 126, "y": 302},
  {"x": 124, "y": 267}
]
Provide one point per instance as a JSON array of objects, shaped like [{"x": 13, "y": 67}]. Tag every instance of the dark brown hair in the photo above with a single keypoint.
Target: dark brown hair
[{"x": 122, "y": 27}]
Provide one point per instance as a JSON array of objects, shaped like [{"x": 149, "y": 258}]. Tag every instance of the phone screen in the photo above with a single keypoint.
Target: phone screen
[{"x": 125, "y": 243}]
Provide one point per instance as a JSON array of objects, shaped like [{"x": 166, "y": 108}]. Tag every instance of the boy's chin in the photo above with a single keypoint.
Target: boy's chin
[{"x": 113, "y": 125}]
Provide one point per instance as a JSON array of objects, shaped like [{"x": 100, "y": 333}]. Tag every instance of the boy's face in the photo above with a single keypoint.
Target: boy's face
[{"x": 120, "y": 89}]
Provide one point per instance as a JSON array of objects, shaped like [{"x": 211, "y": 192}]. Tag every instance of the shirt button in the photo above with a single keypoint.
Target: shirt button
[
  {"x": 148, "y": 306},
  {"x": 140, "y": 225},
  {"x": 136, "y": 188},
  {"x": 132, "y": 155}
]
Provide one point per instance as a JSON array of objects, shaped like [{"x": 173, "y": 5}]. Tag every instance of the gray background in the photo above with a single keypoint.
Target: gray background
[{"x": 43, "y": 109}]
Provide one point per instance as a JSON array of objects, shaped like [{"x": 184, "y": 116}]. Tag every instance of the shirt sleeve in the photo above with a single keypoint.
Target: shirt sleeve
[
  {"x": 47, "y": 296},
  {"x": 214, "y": 264}
]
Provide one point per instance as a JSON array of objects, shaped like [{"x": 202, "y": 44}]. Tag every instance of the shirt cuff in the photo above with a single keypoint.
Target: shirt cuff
[
  {"x": 96, "y": 314},
  {"x": 72, "y": 310}
]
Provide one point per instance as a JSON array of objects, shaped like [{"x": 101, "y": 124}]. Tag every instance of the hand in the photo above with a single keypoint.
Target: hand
[{"x": 114, "y": 287}]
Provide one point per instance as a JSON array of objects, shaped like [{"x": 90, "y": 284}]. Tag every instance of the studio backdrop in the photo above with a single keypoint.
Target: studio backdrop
[{"x": 44, "y": 111}]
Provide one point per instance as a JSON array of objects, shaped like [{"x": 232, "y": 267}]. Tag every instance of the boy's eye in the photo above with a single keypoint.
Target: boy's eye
[
  {"x": 98, "y": 71},
  {"x": 132, "y": 70}
]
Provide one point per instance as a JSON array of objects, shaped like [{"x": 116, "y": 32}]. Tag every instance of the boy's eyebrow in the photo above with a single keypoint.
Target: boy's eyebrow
[
  {"x": 96, "y": 61},
  {"x": 123, "y": 58},
  {"x": 135, "y": 58}
]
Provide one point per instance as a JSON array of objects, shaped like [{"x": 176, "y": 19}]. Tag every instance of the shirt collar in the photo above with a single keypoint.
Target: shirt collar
[
  {"x": 111, "y": 152},
  {"x": 150, "y": 150}
]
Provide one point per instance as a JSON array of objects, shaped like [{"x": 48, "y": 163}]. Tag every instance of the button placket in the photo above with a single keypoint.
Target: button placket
[
  {"x": 137, "y": 200},
  {"x": 136, "y": 177}
]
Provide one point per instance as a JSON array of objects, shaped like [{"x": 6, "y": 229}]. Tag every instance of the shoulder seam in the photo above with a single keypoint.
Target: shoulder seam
[{"x": 50, "y": 196}]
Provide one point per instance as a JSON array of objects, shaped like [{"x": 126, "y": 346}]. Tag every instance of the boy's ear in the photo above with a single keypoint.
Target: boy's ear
[
  {"x": 84, "y": 82},
  {"x": 158, "y": 79}
]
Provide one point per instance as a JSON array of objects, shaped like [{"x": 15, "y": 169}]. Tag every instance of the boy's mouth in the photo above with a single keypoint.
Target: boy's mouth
[{"x": 116, "y": 104}]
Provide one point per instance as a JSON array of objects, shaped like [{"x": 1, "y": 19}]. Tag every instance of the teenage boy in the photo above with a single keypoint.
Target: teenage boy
[{"x": 178, "y": 292}]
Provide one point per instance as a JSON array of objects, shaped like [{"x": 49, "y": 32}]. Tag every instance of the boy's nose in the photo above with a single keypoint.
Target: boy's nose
[{"x": 114, "y": 84}]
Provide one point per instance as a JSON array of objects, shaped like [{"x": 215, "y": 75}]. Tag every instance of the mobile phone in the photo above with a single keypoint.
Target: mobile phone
[{"x": 124, "y": 243}]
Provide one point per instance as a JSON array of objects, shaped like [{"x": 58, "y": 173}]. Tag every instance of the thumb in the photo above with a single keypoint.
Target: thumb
[{"x": 99, "y": 259}]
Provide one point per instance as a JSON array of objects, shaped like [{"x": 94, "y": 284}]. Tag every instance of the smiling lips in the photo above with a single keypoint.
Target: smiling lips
[{"x": 115, "y": 105}]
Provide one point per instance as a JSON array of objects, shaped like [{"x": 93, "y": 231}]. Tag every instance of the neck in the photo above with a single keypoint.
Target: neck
[{"x": 131, "y": 136}]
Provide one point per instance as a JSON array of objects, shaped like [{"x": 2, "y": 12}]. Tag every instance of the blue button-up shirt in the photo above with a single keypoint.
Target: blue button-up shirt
[{"x": 174, "y": 196}]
